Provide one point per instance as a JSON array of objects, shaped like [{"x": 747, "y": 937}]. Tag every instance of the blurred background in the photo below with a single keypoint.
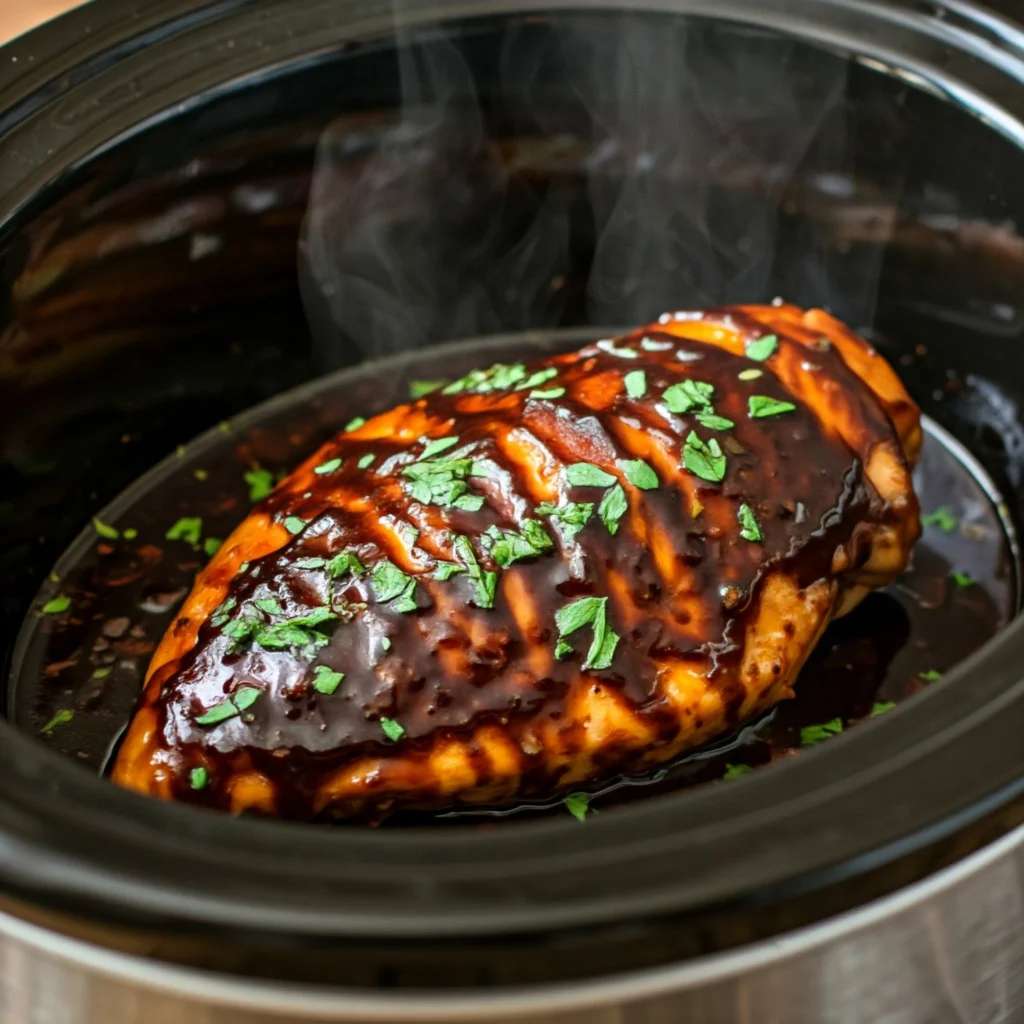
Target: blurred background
[{"x": 21, "y": 15}]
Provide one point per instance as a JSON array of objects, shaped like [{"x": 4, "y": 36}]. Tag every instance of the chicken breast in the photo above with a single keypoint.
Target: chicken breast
[{"x": 540, "y": 577}]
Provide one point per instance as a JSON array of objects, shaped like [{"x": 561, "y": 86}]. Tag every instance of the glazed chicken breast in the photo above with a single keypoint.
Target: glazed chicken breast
[{"x": 539, "y": 577}]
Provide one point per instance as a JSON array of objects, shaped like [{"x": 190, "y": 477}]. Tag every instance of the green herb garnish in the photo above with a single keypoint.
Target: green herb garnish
[
  {"x": 211, "y": 546},
  {"x": 811, "y": 734},
  {"x": 613, "y": 507},
  {"x": 761, "y": 406},
  {"x": 536, "y": 379},
  {"x": 588, "y": 611},
  {"x": 327, "y": 467},
  {"x": 705, "y": 460},
  {"x": 442, "y": 444},
  {"x": 962, "y": 579},
  {"x": 344, "y": 563},
  {"x": 606, "y": 345},
  {"x": 420, "y": 388},
  {"x": 507, "y": 547},
  {"x": 585, "y": 474},
  {"x": 221, "y": 612},
  {"x": 880, "y": 707},
  {"x": 198, "y": 778},
  {"x": 389, "y": 583},
  {"x": 241, "y": 700},
  {"x": 101, "y": 673},
  {"x": 442, "y": 482},
  {"x": 484, "y": 581},
  {"x": 942, "y": 517},
  {"x": 188, "y": 529},
  {"x": 640, "y": 474},
  {"x": 354, "y": 424},
  {"x": 61, "y": 718},
  {"x": 750, "y": 529},
  {"x": 713, "y": 421},
  {"x": 269, "y": 605},
  {"x": 385, "y": 642},
  {"x": 734, "y": 771},
  {"x": 297, "y": 632},
  {"x": 293, "y": 524},
  {"x": 310, "y": 563},
  {"x": 260, "y": 481},
  {"x": 392, "y": 729},
  {"x": 56, "y": 605},
  {"x": 752, "y": 374},
  {"x": 549, "y": 393},
  {"x": 104, "y": 530},
  {"x": 130, "y": 534},
  {"x": 930, "y": 675},
  {"x": 577, "y": 804},
  {"x": 636, "y": 383},
  {"x": 762, "y": 348},
  {"x": 496, "y": 378},
  {"x": 688, "y": 395},
  {"x": 572, "y": 515},
  {"x": 444, "y": 571},
  {"x": 326, "y": 680}
]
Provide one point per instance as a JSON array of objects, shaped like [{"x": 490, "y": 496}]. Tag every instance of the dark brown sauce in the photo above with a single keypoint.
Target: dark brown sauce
[{"x": 125, "y": 593}]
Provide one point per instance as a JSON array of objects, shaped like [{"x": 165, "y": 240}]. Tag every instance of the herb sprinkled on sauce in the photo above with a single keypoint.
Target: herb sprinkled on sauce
[
  {"x": 420, "y": 388},
  {"x": 392, "y": 729},
  {"x": 578, "y": 804},
  {"x": 761, "y": 406},
  {"x": 688, "y": 395},
  {"x": 260, "y": 481},
  {"x": 752, "y": 374},
  {"x": 640, "y": 474},
  {"x": 189, "y": 529},
  {"x": 750, "y": 529},
  {"x": 326, "y": 680},
  {"x": 704, "y": 460},
  {"x": 549, "y": 393},
  {"x": 390, "y": 584},
  {"x": 585, "y": 474},
  {"x": 735, "y": 771},
  {"x": 61, "y": 718},
  {"x": 56, "y": 605},
  {"x": 354, "y": 424},
  {"x": 636, "y": 383},
  {"x": 327, "y": 467},
  {"x": 760, "y": 349},
  {"x": 572, "y": 516},
  {"x": 962, "y": 579},
  {"x": 198, "y": 778},
  {"x": 104, "y": 529},
  {"x": 811, "y": 734},
  {"x": 880, "y": 707},
  {"x": 613, "y": 507},
  {"x": 942, "y": 518},
  {"x": 241, "y": 700},
  {"x": 587, "y": 611}
]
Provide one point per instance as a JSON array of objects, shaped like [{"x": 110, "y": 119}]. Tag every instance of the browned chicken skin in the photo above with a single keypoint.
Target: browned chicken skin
[{"x": 540, "y": 577}]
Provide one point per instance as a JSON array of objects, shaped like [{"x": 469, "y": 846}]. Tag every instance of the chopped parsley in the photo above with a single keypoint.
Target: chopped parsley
[
  {"x": 260, "y": 481},
  {"x": 549, "y": 393},
  {"x": 636, "y": 383},
  {"x": 354, "y": 424},
  {"x": 385, "y": 642},
  {"x": 104, "y": 530},
  {"x": 704, "y": 460},
  {"x": 392, "y": 729},
  {"x": 200, "y": 474},
  {"x": 762, "y": 348},
  {"x": 761, "y": 406},
  {"x": 496, "y": 378},
  {"x": 366, "y": 461},
  {"x": 484, "y": 581},
  {"x": 444, "y": 571},
  {"x": 327, "y": 467},
  {"x": 587, "y": 611},
  {"x": 613, "y": 507},
  {"x": 942, "y": 518},
  {"x": 293, "y": 524},
  {"x": 61, "y": 718},
  {"x": 930, "y": 675},
  {"x": 298, "y": 632},
  {"x": 198, "y": 778},
  {"x": 752, "y": 374},
  {"x": 344, "y": 563},
  {"x": 750, "y": 528},
  {"x": 130, "y": 534},
  {"x": 688, "y": 395},
  {"x": 241, "y": 700},
  {"x": 310, "y": 563},
  {"x": 811, "y": 734},
  {"x": 326, "y": 680},
  {"x": 734, "y": 771},
  {"x": 420, "y": 388},
  {"x": 189, "y": 529},
  {"x": 713, "y": 421},
  {"x": 442, "y": 444},
  {"x": 640, "y": 474},
  {"x": 578, "y": 804},
  {"x": 606, "y": 345},
  {"x": 507, "y": 547},
  {"x": 389, "y": 583},
  {"x": 211, "y": 546},
  {"x": 880, "y": 707},
  {"x": 269, "y": 605},
  {"x": 536, "y": 379},
  {"x": 572, "y": 515},
  {"x": 585, "y": 474},
  {"x": 962, "y": 579},
  {"x": 443, "y": 482},
  {"x": 56, "y": 605},
  {"x": 221, "y": 612}
]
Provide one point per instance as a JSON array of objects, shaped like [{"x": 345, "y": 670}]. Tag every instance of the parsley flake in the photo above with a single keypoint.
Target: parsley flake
[
  {"x": 211, "y": 546},
  {"x": 942, "y": 518},
  {"x": 310, "y": 563},
  {"x": 688, "y": 395},
  {"x": 735, "y": 771},
  {"x": 585, "y": 474},
  {"x": 260, "y": 481},
  {"x": 442, "y": 444},
  {"x": 589, "y": 611},
  {"x": 962, "y": 579},
  {"x": 613, "y": 507},
  {"x": 750, "y": 528},
  {"x": 298, "y": 632},
  {"x": 188, "y": 529},
  {"x": 880, "y": 707},
  {"x": 578, "y": 804},
  {"x": 536, "y": 379},
  {"x": 198, "y": 778},
  {"x": 269, "y": 605},
  {"x": 704, "y": 460},
  {"x": 640, "y": 474},
  {"x": 354, "y": 424},
  {"x": 241, "y": 700},
  {"x": 713, "y": 421},
  {"x": 930, "y": 675},
  {"x": 507, "y": 547},
  {"x": 366, "y": 461},
  {"x": 392, "y": 729},
  {"x": 811, "y": 734},
  {"x": 56, "y": 605},
  {"x": 443, "y": 482},
  {"x": 445, "y": 571},
  {"x": 344, "y": 563},
  {"x": 104, "y": 530},
  {"x": 61, "y": 718},
  {"x": 752, "y": 374},
  {"x": 293, "y": 524},
  {"x": 761, "y": 406},
  {"x": 130, "y": 534},
  {"x": 420, "y": 388},
  {"x": 484, "y": 581},
  {"x": 497, "y": 378},
  {"x": 760, "y": 349},
  {"x": 326, "y": 680},
  {"x": 327, "y": 467},
  {"x": 549, "y": 393},
  {"x": 389, "y": 583},
  {"x": 572, "y": 516},
  {"x": 636, "y": 383},
  {"x": 221, "y": 612}
]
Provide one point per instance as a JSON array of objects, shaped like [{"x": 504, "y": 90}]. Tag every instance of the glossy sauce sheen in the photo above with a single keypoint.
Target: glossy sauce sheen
[{"x": 487, "y": 713}]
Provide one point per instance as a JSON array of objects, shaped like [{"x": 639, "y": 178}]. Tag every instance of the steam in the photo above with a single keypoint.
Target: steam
[{"x": 612, "y": 167}]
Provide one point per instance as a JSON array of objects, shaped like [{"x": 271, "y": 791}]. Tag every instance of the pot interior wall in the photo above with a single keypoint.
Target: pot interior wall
[{"x": 501, "y": 174}]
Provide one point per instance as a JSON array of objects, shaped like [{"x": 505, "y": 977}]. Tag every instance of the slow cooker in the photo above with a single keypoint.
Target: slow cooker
[{"x": 225, "y": 226}]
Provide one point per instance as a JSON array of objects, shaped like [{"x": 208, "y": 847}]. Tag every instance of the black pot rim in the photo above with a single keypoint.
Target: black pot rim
[{"x": 74, "y": 840}]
